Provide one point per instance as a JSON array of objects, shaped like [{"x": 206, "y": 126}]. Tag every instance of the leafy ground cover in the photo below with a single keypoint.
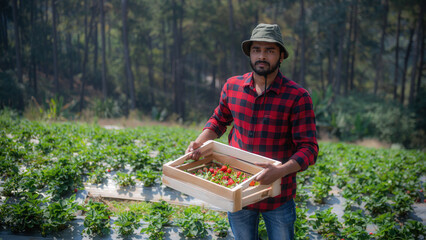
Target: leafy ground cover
[{"x": 43, "y": 164}]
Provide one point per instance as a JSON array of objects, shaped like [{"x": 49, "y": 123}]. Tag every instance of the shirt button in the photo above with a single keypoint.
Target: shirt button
[{"x": 251, "y": 134}]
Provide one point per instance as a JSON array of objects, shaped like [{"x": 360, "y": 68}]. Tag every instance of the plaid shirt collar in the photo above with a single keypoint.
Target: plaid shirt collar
[{"x": 275, "y": 85}]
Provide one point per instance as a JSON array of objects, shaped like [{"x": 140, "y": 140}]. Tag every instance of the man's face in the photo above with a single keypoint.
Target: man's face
[{"x": 265, "y": 57}]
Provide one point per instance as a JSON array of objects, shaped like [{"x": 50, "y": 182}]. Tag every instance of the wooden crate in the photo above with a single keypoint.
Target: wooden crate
[{"x": 228, "y": 199}]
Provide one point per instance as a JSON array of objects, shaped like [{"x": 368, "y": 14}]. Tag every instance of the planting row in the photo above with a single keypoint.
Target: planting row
[{"x": 42, "y": 164}]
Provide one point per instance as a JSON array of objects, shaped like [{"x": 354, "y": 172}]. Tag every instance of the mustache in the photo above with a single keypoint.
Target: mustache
[{"x": 264, "y": 62}]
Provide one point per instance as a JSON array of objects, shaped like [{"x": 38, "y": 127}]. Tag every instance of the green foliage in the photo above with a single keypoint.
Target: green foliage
[
  {"x": 147, "y": 177},
  {"x": 301, "y": 225},
  {"x": 58, "y": 215},
  {"x": 157, "y": 218},
  {"x": 108, "y": 108},
  {"x": 127, "y": 223},
  {"x": 97, "y": 176},
  {"x": 355, "y": 225},
  {"x": 26, "y": 215},
  {"x": 327, "y": 224},
  {"x": 263, "y": 234},
  {"x": 11, "y": 92},
  {"x": 97, "y": 219},
  {"x": 193, "y": 223},
  {"x": 358, "y": 116},
  {"x": 124, "y": 179}
]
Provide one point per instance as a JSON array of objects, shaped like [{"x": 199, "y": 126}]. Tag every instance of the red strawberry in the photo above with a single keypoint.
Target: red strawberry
[
  {"x": 229, "y": 170},
  {"x": 223, "y": 169},
  {"x": 211, "y": 170},
  {"x": 225, "y": 177},
  {"x": 230, "y": 181},
  {"x": 108, "y": 170},
  {"x": 215, "y": 171},
  {"x": 238, "y": 174},
  {"x": 252, "y": 183},
  {"x": 371, "y": 233},
  {"x": 75, "y": 190}
]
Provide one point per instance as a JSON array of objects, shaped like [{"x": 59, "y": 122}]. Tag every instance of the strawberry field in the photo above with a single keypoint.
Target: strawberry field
[{"x": 44, "y": 165}]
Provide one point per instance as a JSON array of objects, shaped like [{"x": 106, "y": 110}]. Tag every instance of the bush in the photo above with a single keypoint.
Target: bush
[
  {"x": 360, "y": 116},
  {"x": 11, "y": 93}
]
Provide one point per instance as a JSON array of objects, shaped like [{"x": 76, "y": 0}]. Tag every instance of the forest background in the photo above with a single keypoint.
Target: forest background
[{"x": 361, "y": 60}]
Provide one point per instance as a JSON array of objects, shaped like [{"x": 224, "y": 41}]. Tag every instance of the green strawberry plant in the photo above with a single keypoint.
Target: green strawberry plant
[
  {"x": 58, "y": 214},
  {"x": 327, "y": 224},
  {"x": 147, "y": 176},
  {"x": 157, "y": 218},
  {"x": 124, "y": 179},
  {"x": 193, "y": 224},
  {"x": 97, "y": 176},
  {"x": 301, "y": 225},
  {"x": 97, "y": 219},
  {"x": 127, "y": 223}
]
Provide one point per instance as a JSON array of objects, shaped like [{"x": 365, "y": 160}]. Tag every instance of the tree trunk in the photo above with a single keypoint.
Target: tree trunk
[
  {"x": 129, "y": 73},
  {"x": 3, "y": 28},
  {"x": 379, "y": 69},
  {"x": 104, "y": 66},
  {"x": 232, "y": 38},
  {"x": 71, "y": 60},
  {"x": 422, "y": 52},
  {"x": 33, "y": 67},
  {"x": 351, "y": 78},
  {"x": 396, "y": 74},
  {"x": 331, "y": 61},
  {"x": 339, "y": 66},
  {"x": 404, "y": 72},
  {"x": 17, "y": 40},
  {"x": 176, "y": 59},
  {"x": 294, "y": 64},
  {"x": 55, "y": 48},
  {"x": 302, "y": 43},
  {"x": 95, "y": 49},
  {"x": 150, "y": 61},
  {"x": 349, "y": 51},
  {"x": 86, "y": 53},
  {"x": 164, "y": 38},
  {"x": 415, "y": 56}
]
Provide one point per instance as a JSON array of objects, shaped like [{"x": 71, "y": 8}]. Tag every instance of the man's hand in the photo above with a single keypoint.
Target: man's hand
[
  {"x": 270, "y": 174},
  {"x": 193, "y": 147},
  {"x": 206, "y": 135}
]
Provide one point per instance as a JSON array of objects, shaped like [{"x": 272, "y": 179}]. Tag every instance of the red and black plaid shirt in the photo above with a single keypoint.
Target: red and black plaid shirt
[{"x": 281, "y": 126}]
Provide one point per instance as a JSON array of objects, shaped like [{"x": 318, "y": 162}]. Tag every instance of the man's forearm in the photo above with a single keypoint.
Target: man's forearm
[{"x": 206, "y": 135}]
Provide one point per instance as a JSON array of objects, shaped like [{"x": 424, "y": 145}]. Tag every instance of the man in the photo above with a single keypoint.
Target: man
[{"x": 273, "y": 116}]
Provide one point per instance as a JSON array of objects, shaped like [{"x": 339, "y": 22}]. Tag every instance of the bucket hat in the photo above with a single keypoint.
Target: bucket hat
[{"x": 265, "y": 33}]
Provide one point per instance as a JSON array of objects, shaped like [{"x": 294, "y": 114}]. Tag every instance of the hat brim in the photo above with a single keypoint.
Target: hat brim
[{"x": 245, "y": 45}]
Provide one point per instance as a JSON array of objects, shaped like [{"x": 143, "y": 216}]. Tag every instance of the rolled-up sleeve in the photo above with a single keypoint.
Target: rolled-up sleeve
[
  {"x": 304, "y": 132},
  {"x": 222, "y": 116}
]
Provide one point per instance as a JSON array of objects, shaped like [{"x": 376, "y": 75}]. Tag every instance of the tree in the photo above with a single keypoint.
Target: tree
[
  {"x": 396, "y": 74},
  {"x": 17, "y": 41},
  {"x": 416, "y": 54},
  {"x": 103, "y": 50},
  {"x": 379, "y": 70},
  {"x": 128, "y": 65},
  {"x": 55, "y": 48}
]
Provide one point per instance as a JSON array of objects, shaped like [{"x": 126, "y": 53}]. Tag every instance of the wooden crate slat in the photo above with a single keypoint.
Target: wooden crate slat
[
  {"x": 187, "y": 177},
  {"x": 200, "y": 192},
  {"x": 228, "y": 199},
  {"x": 249, "y": 168}
]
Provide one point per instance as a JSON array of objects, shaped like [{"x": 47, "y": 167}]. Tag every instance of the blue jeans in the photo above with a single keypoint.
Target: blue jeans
[{"x": 279, "y": 223}]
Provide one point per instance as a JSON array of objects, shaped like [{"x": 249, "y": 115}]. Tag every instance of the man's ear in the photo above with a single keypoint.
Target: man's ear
[{"x": 281, "y": 56}]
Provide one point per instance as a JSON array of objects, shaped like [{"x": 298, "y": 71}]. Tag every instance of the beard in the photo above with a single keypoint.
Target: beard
[{"x": 266, "y": 70}]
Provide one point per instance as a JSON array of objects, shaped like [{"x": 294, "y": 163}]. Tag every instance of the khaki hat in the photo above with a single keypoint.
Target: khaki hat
[{"x": 265, "y": 33}]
